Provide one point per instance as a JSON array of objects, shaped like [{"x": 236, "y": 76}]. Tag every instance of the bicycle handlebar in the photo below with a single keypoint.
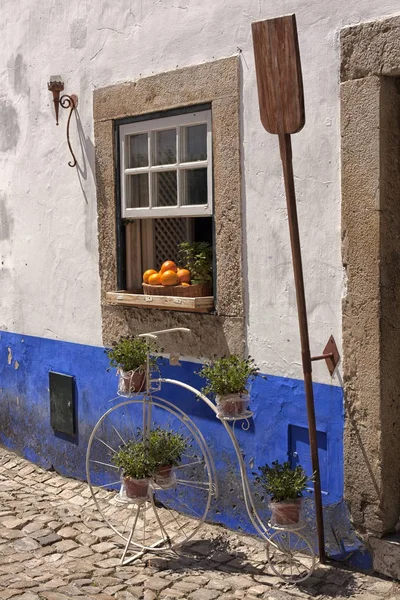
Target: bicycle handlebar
[{"x": 154, "y": 334}]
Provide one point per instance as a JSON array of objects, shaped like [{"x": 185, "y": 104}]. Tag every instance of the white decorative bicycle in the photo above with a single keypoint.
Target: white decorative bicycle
[{"x": 176, "y": 506}]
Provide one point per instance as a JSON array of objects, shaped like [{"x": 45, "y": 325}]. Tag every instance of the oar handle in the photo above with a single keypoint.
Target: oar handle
[{"x": 285, "y": 147}]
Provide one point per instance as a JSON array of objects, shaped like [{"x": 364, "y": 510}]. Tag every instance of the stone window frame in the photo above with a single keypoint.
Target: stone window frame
[{"x": 216, "y": 83}]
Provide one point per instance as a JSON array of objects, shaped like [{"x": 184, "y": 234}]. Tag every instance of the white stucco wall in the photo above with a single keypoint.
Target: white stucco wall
[{"x": 48, "y": 234}]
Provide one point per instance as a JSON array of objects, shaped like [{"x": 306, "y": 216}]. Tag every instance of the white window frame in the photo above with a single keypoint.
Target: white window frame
[{"x": 150, "y": 127}]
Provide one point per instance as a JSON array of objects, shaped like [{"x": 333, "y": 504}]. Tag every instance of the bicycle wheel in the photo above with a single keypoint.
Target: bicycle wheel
[
  {"x": 290, "y": 555},
  {"x": 176, "y": 507}
]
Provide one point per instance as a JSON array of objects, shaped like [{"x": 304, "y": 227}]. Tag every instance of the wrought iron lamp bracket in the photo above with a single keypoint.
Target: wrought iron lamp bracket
[{"x": 56, "y": 86}]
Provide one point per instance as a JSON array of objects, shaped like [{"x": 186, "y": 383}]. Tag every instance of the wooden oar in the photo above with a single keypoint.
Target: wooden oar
[{"x": 281, "y": 100}]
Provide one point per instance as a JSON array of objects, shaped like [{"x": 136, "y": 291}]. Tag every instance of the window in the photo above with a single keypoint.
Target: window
[
  {"x": 165, "y": 189},
  {"x": 215, "y": 87},
  {"x": 166, "y": 167}
]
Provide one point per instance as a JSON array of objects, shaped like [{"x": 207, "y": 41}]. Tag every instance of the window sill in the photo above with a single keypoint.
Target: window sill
[{"x": 204, "y": 304}]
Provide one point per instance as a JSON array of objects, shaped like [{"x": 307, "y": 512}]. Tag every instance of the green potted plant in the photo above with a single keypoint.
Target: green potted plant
[
  {"x": 167, "y": 448},
  {"x": 137, "y": 467},
  {"x": 197, "y": 257},
  {"x": 129, "y": 356},
  {"x": 228, "y": 378},
  {"x": 149, "y": 458},
  {"x": 285, "y": 486}
]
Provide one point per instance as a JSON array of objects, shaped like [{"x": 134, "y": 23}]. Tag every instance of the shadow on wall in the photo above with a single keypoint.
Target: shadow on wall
[
  {"x": 82, "y": 169},
  {"x": 87, "y": 152}
]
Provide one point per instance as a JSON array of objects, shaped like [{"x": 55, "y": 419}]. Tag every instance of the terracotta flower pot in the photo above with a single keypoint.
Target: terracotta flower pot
[
  {"x": 131, "y": 382},
  {"x": 136, "y": 488},
  {"x": 165, "y": 471},
  {"x": 164, "y": 475},
  {"x": 232, "y": 405},
  {"x": 286, "y": 512}
]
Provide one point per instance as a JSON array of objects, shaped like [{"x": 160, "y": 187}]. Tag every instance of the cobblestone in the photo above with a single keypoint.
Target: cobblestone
[
  {"x": 26, "y": 543},
  {"x": 50, "y": 539},
  {"x": 54, "y": 546},
  {"x": 156, "y": 584},
  {"x": 125, "y": 595},
  {"x": 185, "y": 586},
  {"x": 203, "y": 594},
  {"x": 13, "y": 523}
]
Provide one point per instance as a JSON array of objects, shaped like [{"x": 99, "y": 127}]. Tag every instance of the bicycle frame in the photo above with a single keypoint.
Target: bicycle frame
[{"x": 150, "y": 398}]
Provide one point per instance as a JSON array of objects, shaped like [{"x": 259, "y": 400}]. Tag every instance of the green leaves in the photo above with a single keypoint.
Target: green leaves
[
  {"x": 228, "y": 375},
  {"x": 166, "y": 446},
  {"x": 198, "y": 258},
  {"x": 140, "y": 458},
  {"x": 135, "y": 461},
  {"x": 130, "y": 353},
  {"x": 281, "y": 482}
]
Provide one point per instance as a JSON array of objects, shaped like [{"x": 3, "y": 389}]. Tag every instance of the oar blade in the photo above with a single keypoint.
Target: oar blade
[{"x": 278, "y": 70}]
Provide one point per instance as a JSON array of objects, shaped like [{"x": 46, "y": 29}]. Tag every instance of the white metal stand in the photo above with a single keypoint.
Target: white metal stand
[{"x": 171, "y": 521}]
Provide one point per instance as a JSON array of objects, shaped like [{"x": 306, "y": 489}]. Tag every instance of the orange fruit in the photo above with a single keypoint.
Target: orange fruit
[
  {"x": 183, "y": 275},
  {"x": 155, "y": 279},
  {"x": 147, "y": 274},
  {"x": 169, "y": 278},
  {"x": 169, "y": 265},
  {"x": 184, "y": 284}
]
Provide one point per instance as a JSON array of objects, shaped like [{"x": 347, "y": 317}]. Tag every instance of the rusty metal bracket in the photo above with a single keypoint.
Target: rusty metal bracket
[
  {"x": 330, "y": 354},
  {"x": 56, "y": 85},
  {"x": 70, "y": 102}
]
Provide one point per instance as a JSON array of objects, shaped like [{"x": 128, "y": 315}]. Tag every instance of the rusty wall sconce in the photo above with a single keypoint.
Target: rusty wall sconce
[{"x": 56, "y": 85}]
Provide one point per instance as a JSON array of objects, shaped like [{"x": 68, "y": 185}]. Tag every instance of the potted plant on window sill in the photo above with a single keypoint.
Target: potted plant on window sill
[
  {"x": 197, "y": 258},
  {"x": 228, "y": 378},
  {"x": 285, "y": 486},
  {"x": 137, "y": 467},
  {"x": 129, "y": 356}
]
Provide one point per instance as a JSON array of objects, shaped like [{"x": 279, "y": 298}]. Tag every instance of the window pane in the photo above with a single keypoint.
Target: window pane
[
  {"x": 138, "y": 151},
  {"x": 137, "y": 191},
  {"x": 194, "y": 143},
  {"x": 165, "y": 147},
  {"x": 194, "y": 186},
  {"x": 165, "y": 189}
]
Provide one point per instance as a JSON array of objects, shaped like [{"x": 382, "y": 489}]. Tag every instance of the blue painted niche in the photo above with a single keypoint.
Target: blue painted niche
[{"x": 300, "y": 454}]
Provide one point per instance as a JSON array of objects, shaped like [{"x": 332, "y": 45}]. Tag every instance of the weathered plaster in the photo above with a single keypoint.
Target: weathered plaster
[
  {"x": 17, "y": 70},
  {"x": 6, "y": 219},
  {"x": 371, "y": 240},
  {"x": 78, "y": 33},
  {"x": 9, "y": 126},
  {"x": 218, "y": 83},
  {"x": 55, "y": 206}
]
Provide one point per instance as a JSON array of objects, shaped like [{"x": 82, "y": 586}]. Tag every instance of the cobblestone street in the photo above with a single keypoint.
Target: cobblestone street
[{"x": 54, "y": 546}]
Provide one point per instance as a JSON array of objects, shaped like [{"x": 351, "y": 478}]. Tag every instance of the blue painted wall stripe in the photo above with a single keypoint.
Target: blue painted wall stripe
[{"x": 278, "y": 404}]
